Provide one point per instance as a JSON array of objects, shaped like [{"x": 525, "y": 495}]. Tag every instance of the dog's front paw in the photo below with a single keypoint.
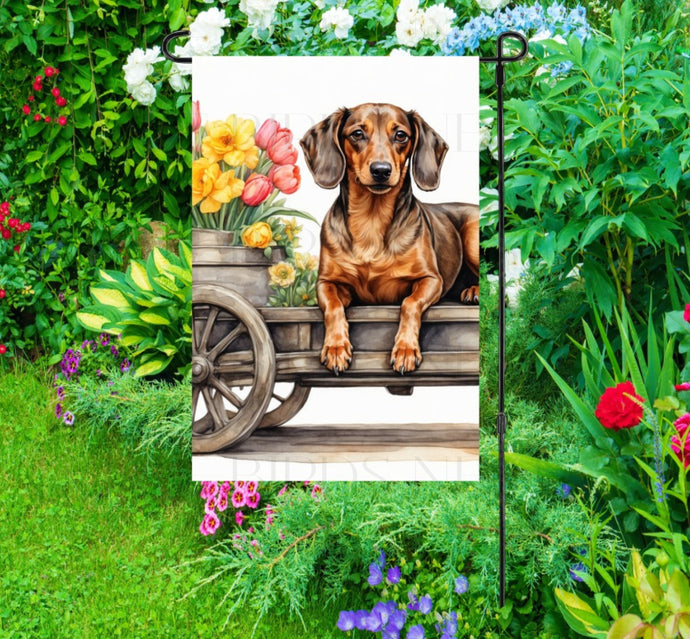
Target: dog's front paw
[
  {"x": 336, "y": 355},
  {"x": 470, "y": 295},
  {"x": 406, "y": 356}
]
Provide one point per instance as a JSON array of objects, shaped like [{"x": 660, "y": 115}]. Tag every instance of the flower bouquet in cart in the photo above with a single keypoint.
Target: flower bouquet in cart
[{"x": 239, "y": 176}]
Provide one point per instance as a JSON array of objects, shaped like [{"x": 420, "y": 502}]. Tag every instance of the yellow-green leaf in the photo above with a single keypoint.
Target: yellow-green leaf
[
  {"x": 92, "y": 321},
  {"x": 154, "y": 318},
  {"x": 626, "y": 627},
  {"x": 110, "y": 297},
  {"x": 152, "y": 367},
  {"x": 138, "y": 273}
]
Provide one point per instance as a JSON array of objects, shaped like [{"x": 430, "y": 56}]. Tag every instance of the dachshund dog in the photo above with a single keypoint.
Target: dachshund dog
[{"x": 379, "y": 244}]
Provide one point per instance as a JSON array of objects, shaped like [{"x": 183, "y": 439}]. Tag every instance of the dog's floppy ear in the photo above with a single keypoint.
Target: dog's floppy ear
[
  {"x": 321, "y": 147},
  {"x": 427, "y": 155}
]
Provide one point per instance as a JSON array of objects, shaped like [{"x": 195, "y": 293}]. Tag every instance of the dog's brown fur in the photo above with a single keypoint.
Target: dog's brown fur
[{"x": 379, "y": 244}]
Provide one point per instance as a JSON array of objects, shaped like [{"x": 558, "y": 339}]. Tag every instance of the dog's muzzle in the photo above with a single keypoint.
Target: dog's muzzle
[{"x": 380, "y": 171}]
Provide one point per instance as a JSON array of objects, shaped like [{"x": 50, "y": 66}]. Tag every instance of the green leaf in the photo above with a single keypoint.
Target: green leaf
[
  {"x": 152, "y": 317},
  {"x": 153, "y": 366},
  {"x": 580, "y": 615}
]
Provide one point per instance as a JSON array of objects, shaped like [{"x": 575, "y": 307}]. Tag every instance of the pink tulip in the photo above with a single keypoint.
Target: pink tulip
[
  {"x": 257, "y": 188},
  {"x": 281, "y": 150},
  {"x": 196, "y": 116},
  {"x": 264, "y": 136},
  {"x": 286, "y": 177}
]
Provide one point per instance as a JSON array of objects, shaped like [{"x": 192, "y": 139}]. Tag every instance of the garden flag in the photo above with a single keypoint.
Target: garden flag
[{"x": 335, "y": 267}]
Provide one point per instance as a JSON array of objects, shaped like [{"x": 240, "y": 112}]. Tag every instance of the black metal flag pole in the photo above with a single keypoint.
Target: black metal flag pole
[
  {"x": 499, "y": 60},
  {"x": 501, "y": 421}
]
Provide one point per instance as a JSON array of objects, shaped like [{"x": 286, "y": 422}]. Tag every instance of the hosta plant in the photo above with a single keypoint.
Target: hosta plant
[{"x": 150, "y": 308}]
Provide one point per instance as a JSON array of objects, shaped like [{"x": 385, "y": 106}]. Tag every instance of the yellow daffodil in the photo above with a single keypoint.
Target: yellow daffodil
[
  {"x": 211, "y": 187},
  {"x": 231, "y": 140},
  {"x": 291, "y": 228},
  {"x": 306, "y": 262}
]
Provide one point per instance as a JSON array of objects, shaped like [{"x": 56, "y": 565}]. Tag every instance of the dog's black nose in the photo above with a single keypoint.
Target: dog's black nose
[{"x": 380, "y": 171}]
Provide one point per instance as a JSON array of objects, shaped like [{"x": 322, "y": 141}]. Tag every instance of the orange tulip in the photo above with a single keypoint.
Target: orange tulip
[
  {"x": 256, "y": 189},
  {"x": 264, "y": 135},
  {"x": 286, "y": 177},
  {"x": 281, "y": 150}
]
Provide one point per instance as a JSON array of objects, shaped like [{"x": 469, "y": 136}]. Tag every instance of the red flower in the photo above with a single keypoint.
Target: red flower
[
  {"x": 680, "y": 443},
  {"x": 256, "y": 189},
  {"x": 56, "y": 92},
  {"x": 280, "y": 150},
  {"x": 683, "y": 387},
  {"x": 47, "y": 118},
  {"x": 196, "y": 116},
  {"x": 39, "y": 78},
  {"x": 12, "y": 222},
  {"x": 49, "y": 71},
  {"x": 17, "y": 248},
  {"x": 264, "y": 135},
  {"x": 31, "y": 98},
  {"x": 60, "y": 101},
  {"x": 6, "y": 234},
  {"x": 62, "y": 120},
  {"x": 285, "y": 177},
  {"x": 617, "y": 408},
  {"x": 37, "y": 118},
  {"x": 27, "y": 109},
  {"x": 26, "y": 226},
  {"x": 2, "y": 293},
  {"x": 37, "y": 86},
  {"x": 3, "y": 349},
  {"x": 5, "y": 207},
  {"x": 686, "y": 313}
]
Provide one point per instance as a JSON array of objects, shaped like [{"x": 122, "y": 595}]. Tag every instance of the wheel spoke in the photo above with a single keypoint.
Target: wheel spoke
[
  {"x": 208, "y": 327},
  {"x": 279, "y": 398},
  {"x": 226, "y": 392},
  {"x": 195, "y": 401},
  {"x": 226, "y": 341},
  {"x": 212, "y": 408}
]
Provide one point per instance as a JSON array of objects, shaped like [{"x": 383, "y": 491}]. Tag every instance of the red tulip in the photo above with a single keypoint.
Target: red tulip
[
  {"x": 281, "y": 150},
  {"x": 196, "y": 116},
  {"x": 257, "y": 188},
  {"x": 264, "y": 136},
  {"x": 286, "y": 177}
]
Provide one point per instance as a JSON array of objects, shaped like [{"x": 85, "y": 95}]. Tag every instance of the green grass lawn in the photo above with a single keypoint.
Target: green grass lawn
[{"x": 95, "y": 539}]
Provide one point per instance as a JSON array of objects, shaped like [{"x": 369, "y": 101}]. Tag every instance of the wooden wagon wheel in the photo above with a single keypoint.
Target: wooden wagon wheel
[
  {"x": 233, "y": 368},
  {"x": 289, "y": 404}
]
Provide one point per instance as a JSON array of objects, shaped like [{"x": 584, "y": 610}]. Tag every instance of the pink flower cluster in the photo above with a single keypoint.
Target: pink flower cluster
[
  {"x": 276, "y": 142},
  {"x": 680, "y": 443},
  {"x": 216, "y": 497}
]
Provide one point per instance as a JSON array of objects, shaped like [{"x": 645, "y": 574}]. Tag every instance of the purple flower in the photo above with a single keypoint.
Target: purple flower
[
  {"x": 577, "y": 568},
  {"x": 114, "y": 351},
  {"x": 104, "y": 338},
  {"x": 58, "y": 410},
  {"x": 124, "y": 367},
  {"x": 563, "y": 490},
  {"x": 346, "y": 620},
  {"x": 461, "y": 584},
  {"x": 61, "y": 296},
  {"x": 375, "y": 575},
  {"x": 60, "y": 392},
  {"x": 415, "y": 632},
  {"x": 99, "y": 372},
  {"x": 449, "y": 625},
  {"x": 393, "y": 575},
  {"x": 382, "y": 560},
  {"x": 85, "y": 344},
  {"x": 425, "y": 604},
  {"x": 360, "y": 619},
  {"x": 396, "y": 620},
  {"x": 68, "y": 418}
]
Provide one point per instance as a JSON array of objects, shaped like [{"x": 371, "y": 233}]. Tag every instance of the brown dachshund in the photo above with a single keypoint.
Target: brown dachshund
[{"x": 379, "y": 244}]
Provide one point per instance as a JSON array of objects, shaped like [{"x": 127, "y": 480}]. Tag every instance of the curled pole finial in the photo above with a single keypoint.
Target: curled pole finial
[
  {"x": 502, "y": 57},
  {"x": 181, "y": 33}
]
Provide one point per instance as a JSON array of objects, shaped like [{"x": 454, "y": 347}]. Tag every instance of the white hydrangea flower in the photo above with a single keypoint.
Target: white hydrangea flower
[
  {"x": 260, "y": 13},
  {"x": 207, "y": 32},
  {"x": 489, "y": 6},
  {"x": 144, "y": 93},
  {"x": 340, "y": 19},
  {"x": 410, "y": 32},
  {"x": 438, "y": 22},
  {"x": 139, "y": 65}
]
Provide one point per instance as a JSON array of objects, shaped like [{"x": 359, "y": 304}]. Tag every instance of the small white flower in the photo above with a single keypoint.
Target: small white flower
[
  {"x": 319, "y": 4},
  {"x": 182, "y": 52},
  {"x": 399, "y": 53},
  {"x": 491, "y": 5},
  {"x": 484, "y": 137},
  {"x": 207, "y": 32},
  {"x": 438, "y": 22},
  {"x": 409, "y": 33},
  {"x": 177, "y": 81},
  {"x": 144, "y": 93},
  {"x": 340, "y": 19},
  {"x": 407, "y": 10},
  {"x": 139, "y": 65},
  {"x": 260, "y": 13}
]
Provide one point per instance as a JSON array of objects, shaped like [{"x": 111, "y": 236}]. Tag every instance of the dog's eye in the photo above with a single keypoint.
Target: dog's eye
[
  {"x": 357, "y": 135},
  {"x": 401, "y": 136}
]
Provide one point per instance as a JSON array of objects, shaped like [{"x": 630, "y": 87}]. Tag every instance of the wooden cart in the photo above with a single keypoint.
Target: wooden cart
[{"x": 240, "y": 351}]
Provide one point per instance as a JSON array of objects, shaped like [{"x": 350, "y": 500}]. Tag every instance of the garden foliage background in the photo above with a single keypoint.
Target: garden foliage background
[{"x": 598, "y": 152}]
